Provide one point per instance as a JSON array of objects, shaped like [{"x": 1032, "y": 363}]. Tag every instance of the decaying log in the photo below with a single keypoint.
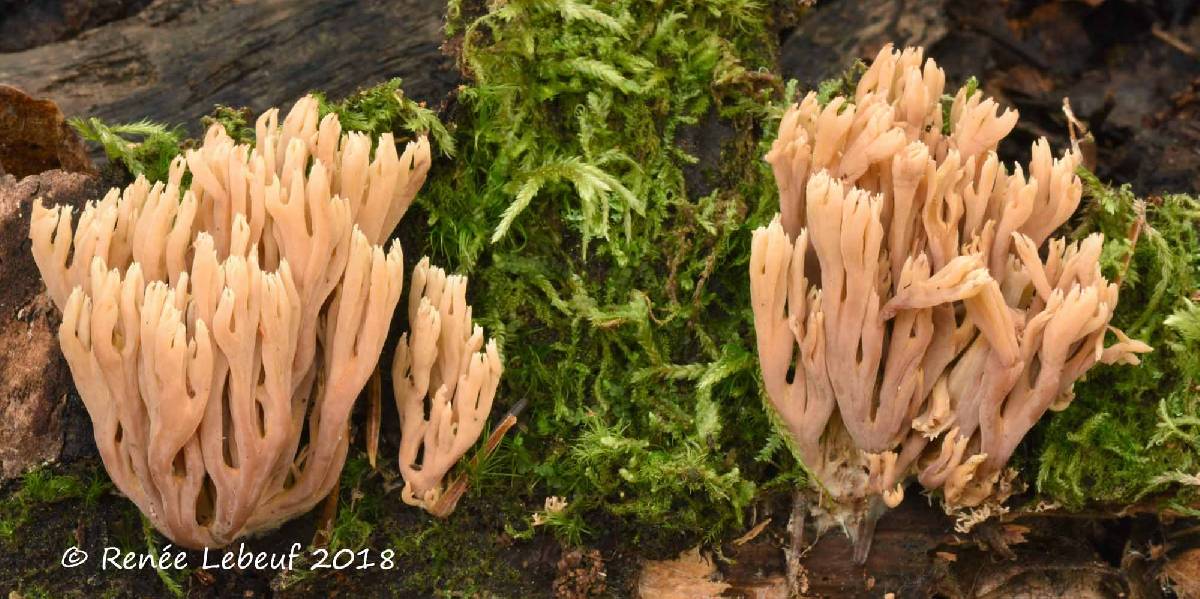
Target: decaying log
[
  {"x": 917, "y": 553},
  {"x": 175, "y": 59}
]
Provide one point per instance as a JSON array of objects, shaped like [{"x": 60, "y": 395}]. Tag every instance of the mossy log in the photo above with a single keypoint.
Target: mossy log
[{"x": 177, "y": 58}]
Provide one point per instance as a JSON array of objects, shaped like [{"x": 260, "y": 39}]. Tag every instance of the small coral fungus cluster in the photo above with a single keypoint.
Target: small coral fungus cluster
[
  {"x": 912, "y": 315},
  {"x": 220, "y": 334}
]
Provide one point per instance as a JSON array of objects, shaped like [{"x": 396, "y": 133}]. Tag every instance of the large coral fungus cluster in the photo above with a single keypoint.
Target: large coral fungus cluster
[
  {"x": 219, "y": 335},
  {"x": 911, "y": 316}
]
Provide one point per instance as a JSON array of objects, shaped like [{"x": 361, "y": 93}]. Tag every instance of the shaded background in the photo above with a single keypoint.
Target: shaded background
[{"x": 1130, "y": 67}]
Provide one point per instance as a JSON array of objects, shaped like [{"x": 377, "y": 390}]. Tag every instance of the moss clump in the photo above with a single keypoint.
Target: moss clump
[
  {"x": 142, "y": 148},
  {"x": 385, "y": 109},
  {"x": 608, "y": 175},
  {"x": 238, "y": 122},
  {"x": 1133, "y": 431},
  {"x": 44, "y": 486},
  {"x": 446, "y": 557}
]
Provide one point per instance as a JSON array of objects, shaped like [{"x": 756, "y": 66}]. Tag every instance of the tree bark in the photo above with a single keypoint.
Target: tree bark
[{"x": 176, "y": 59}]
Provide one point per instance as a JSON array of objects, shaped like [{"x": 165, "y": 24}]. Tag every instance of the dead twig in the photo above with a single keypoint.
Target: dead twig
[
  {"x": 796, "y": 578},
  {"x": 1081, "y": 136},
  {"x": 752, "y": 533},
  {"x": 1171, "y": 40},
  {"x": 449, "y": 500},
  {"x": 325, "y": 521},
  {"x": 374, "y": 410},
  {"x": 1135, "y": 232}
]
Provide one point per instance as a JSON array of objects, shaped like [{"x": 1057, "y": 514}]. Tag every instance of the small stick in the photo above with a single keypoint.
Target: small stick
[
  {"x": 752, "y": 533},
  {"x": 329, "y": 510},
  {"x": 449, "y": 500},
  {"x": 795, "y": 551},
  {"x": 374, "y": 410},
  {"x": 1169, "y": 39},
  {"x": 1082, "y": 140},
  {"x": 1135, "y": 232}
]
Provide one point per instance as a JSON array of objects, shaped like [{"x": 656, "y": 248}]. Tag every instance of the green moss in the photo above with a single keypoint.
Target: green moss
[
  {"x": 358, "y": 509},
  {"x": 608, "y": 175},
  {"x": 1133, "y": 431},
  {"x": 385, "y": 109},
  {"x": 843, "y": 85},
  {"x": 142, "y": 148},
  {"x": 172, "y": 580},
  {"x": 238, "y": 122},
  {"x": 147, "y": 148},
  {"x": 465, "y": 555},
  {"x": 447, "y": 558},
  {"x": 43, "y": 486}
]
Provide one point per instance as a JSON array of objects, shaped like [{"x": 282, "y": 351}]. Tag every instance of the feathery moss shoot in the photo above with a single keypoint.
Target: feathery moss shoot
[{"x": 142, "y": 148}]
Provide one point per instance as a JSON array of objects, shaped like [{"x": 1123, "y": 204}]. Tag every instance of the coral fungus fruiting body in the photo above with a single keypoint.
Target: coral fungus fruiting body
[
  {"x": 443, "y": 363},
  {"x": 219, "y": 335},
  {"x": 909, "y": 287}
]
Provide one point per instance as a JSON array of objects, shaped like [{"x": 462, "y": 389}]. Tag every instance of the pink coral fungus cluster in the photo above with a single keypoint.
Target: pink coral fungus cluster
[
  {"x": 913, "y": 316},
  {"x": 220, "y": 332}
]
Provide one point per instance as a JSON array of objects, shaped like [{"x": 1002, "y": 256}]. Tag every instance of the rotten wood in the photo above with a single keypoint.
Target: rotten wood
[
  {"x": 917, "y": 553},
  {"x": 175, "y": 59},
  {"x": 35, "y": 137}
]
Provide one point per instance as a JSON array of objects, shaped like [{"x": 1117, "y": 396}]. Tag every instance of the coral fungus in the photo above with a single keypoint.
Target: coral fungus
[
  {"x": 912, "y": 315},
  {"x": 219, "y": 335}
]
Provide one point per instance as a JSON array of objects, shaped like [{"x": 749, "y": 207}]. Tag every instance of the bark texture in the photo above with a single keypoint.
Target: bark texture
[{"x": 175, "y": 59}]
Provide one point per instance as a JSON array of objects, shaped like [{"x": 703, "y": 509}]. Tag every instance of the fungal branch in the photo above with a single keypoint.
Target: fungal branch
[{"x": 913, "y": 318}]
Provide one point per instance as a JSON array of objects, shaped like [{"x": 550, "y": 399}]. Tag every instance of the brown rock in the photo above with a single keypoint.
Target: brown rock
[
  {"x": 36, "y": 380},
  {"x": 35, "y": 137}
]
